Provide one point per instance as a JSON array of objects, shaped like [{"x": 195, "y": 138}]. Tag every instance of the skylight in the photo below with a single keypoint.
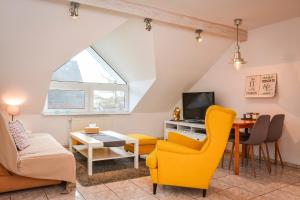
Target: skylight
[{"x": 87, "y": 67}]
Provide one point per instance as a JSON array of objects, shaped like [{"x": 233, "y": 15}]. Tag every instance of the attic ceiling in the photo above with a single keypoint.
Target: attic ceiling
[
  {"x": 255, "y": 13},
  {"x": 39, "y": 36}
]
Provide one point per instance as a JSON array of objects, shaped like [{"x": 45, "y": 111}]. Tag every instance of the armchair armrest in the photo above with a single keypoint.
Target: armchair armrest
[
  {"x": 185, "y": 141},
  {"x": 174, "y": 148},
  {"x": 151, "y": 160}
]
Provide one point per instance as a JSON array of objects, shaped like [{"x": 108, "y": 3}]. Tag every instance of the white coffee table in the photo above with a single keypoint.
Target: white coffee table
[{"x": 94, "y": 150}]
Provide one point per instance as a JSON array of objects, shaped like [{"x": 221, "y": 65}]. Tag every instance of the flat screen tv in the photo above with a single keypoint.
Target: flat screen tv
[{"x": 195, "y": 104}]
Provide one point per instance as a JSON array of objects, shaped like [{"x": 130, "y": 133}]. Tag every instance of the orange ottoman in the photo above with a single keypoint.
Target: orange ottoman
[{"x": 146, "y": 144}]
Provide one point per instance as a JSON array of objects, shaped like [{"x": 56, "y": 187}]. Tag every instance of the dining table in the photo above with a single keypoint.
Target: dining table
[{"x": 237, "y": 125}]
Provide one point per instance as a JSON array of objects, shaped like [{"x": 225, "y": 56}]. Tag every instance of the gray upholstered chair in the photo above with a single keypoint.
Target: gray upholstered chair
[
  {"x": 275, "y": 132},
  {"x": 257, "y": 136}
]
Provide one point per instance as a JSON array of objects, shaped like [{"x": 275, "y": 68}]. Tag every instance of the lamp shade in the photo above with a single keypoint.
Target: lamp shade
[{"x": 13, "y": 110}]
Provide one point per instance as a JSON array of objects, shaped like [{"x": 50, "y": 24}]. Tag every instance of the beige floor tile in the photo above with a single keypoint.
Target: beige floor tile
[
  {"x": 218, "y": 185},
  {"x": 119, "y": 184},
  {"x": 146, "y": 197},
  {"x": 293, "y": 189},
  {"x": 92, "y": 189},
  {"x": 105, "y": 195},
  {"x": 5, "y": 196},
  {"x": 172, "y": 193},
  {"x": 130, "y": 192},
  {"x": 71, "y": 196},
  {"x": 144, "y": 182},
  {"x": 234, "y": 180},
  {"x": 214, "y": 196},
  {"x": 260, "y": 189},
  {"x": 33, "y": 194},
  {"x": 237, "y": 193},
  {"x": 285, "y": 178},
  {"x": 220, "y": 173},
  {"x": 280, "y": 195}
]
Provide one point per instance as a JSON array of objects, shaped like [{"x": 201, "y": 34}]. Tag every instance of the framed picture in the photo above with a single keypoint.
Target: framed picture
[{"x": 261, "y": 85}]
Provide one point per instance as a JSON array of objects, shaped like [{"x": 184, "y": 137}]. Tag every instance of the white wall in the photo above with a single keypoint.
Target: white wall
[
  {"x": 270, "y": 49},
  {"x": 145, "y": 123}
]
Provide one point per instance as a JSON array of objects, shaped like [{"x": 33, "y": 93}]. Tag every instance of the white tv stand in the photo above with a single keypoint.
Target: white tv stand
[{"x": 195, "y": 131}]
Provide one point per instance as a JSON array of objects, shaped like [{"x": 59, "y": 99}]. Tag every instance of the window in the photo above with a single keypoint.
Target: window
[
  {"x": 86, "y": 84},
  {"x": 109, "y": 100}
]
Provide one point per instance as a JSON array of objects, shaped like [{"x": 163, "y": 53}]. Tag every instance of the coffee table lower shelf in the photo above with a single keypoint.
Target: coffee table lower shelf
[{"x": 104, "y": 153}]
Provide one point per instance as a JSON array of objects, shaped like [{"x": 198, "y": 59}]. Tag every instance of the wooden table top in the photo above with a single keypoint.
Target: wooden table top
[{"x": 242, "y": 121}]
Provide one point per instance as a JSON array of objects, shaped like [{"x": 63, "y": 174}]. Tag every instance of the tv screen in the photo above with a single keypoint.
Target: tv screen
[{"x": 195, "y": 104}]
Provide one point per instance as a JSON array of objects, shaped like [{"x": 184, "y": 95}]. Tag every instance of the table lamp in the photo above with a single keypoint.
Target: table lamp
[{"x": 12, "y": 110}]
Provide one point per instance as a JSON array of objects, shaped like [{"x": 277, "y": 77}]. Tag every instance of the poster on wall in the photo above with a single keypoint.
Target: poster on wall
[{"x": 261, "y": 85}]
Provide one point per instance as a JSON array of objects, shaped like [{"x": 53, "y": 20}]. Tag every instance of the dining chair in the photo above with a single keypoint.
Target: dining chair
[
  {"x": 274, "y": 134},
  {"x": 257, "y": 136}
]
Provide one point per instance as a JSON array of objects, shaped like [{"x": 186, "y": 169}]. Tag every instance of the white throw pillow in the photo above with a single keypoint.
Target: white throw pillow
[{"x": 19, "y": 134}]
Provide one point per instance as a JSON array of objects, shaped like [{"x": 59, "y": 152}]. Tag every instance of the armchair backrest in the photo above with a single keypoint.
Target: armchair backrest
[
  {"x": 218, "y": 123},
  {"x": 8, "y": 151}
]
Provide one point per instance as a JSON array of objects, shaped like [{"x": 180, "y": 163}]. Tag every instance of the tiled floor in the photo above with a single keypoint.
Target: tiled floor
[{"x": 281, "y": 184}]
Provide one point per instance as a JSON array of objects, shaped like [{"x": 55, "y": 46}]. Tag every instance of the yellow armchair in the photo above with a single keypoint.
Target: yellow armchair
[{"x": 184, "y": 162}]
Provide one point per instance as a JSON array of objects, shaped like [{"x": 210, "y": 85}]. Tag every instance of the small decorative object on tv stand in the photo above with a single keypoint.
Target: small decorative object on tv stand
[{"x": 176, "y": 114}]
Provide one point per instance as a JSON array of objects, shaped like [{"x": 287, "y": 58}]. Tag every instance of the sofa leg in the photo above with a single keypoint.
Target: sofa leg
[
  {"x": 154, "y": 188},
  {"x": 204, "y": 192}
]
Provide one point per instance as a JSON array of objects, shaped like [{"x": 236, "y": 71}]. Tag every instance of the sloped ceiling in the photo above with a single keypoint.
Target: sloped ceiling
[
  {"x": 255, "y": 13},
  {"x": 39, "y": 36},
  {"x": 180, "y": 62},
  {"x": 130, "y": 50}
]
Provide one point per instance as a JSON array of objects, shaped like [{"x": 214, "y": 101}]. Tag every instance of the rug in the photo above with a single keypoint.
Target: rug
[{"x": 107, "y": 171}]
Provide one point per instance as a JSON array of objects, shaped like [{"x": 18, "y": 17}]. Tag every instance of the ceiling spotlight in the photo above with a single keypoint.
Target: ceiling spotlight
[
  {"x": 148, "y": 24},
  {"x": 74, "y": 9},
  {"x": 198, "y": 37},
  {"x": 237, "y": 59}
]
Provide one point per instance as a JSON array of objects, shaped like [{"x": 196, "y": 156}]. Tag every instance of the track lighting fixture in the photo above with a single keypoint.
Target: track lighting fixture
[
  {"x": 237, "y": 59},
  {"x": 198, "y": 37},
  {"x": 148, "y": 24},
  {"x": 74, "y": 9}
]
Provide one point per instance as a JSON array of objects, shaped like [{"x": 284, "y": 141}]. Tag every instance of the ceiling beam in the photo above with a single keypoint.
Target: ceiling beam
[{"x": 167, "y": 17}]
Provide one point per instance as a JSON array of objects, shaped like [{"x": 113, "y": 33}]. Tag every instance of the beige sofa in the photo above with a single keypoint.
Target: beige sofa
[{"x": 44, "y": 162}]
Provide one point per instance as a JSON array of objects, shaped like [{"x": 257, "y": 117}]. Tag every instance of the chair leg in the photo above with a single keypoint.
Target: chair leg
[
  {"x": 222, "y": 161},
  {"x": 259, "y": 155},
  {"x": 268, "y": 156},
  {"x": 204, "y": 193},
  {"x": 264, "y": 156},
  {"x": 154, "y": 188},
  {"x": 231, "y": 154},
  {"x": 247, "y": 154},
  {"x": 277, "y": 147},
  {"x": 252, "y": 159},
  {"x": 243, "y": 153},
  {"x": 275, "y": 158}
]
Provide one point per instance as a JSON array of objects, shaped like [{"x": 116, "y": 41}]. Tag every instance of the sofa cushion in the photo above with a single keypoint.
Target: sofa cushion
[
  {"x": 45, "y": 158},
  {"x": 19, "y": 134}
]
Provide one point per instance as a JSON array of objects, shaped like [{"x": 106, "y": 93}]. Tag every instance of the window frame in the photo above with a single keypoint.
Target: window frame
[{"x": 88, "y": 88}]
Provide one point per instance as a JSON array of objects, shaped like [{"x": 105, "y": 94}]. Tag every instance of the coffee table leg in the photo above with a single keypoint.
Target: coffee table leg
[
  {"x": 70, "y": 144},
  {"x": 136, "y": 155},
  {"x": 90, "y": 161}
]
